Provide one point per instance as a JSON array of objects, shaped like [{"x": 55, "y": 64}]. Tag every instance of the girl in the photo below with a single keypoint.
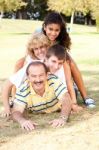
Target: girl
[{"x": 55, "y": 29}]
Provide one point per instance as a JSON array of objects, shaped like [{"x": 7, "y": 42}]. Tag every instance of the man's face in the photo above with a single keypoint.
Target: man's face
[
  {"x": 54, "y": 64},
  {"x": 38, "y": 77}
]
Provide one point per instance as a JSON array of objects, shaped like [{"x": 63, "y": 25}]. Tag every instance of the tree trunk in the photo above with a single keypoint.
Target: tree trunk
[
  {"x": 72, "y": 20},
  {"x": 1, "y": 15}
]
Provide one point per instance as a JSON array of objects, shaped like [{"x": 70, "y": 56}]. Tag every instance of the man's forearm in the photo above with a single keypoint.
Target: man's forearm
[
  {"x": 66, "y": 106},
  {"x": 25, "y": 124},
  {"x": 18, "y": 116}
]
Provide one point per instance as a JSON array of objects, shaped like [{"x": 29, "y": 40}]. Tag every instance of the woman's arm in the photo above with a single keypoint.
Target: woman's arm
[{"x": 19, "y": 64}]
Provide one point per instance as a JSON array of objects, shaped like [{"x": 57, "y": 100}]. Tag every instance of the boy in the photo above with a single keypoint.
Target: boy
[{"x": 55, "y": 57}]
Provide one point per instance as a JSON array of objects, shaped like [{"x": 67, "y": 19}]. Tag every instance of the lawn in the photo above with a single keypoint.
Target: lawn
[{"x": 82, "y": 130}]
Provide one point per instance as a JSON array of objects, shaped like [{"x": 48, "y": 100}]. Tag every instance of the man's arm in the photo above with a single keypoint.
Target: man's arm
[
  {"x": 17, "y": 115},
  {"x": 65, "y": 111}
]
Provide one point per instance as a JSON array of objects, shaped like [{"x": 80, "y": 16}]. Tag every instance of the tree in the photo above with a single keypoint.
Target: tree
[
  {"x": 10, "y": 5},
  {"x": 94, "y": 7},
  {"x": 69, "y": 7}
]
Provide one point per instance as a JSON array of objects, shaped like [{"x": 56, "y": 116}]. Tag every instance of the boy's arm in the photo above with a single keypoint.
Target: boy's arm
[
  {"x": 5, "y": 97},
  {"x": 69, "y": 82},
  {"x": 67, "y": 71}
]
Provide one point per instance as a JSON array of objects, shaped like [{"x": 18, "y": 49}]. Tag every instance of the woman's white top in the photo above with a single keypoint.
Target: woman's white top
[{"x": 18, "y": 77}]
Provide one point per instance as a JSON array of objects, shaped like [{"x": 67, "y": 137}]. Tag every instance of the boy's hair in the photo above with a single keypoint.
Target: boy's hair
[
  {"x": 36, "y": 63},
  {"x": 38, "y": 39},
  {"x": 56, "y": 18},
  {"x": 58, "y": 51}
]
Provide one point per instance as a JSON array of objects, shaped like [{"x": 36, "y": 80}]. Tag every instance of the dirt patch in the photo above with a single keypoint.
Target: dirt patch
[{"x": 82, "y": 135}]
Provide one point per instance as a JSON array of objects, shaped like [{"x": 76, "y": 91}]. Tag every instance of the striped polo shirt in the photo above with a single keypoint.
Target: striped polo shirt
[{"x": 49, "y": 102}]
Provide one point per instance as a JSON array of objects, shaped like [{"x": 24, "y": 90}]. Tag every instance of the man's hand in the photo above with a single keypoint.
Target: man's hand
[
  {"x": 57, "y": 122},
  {"x": 28, "y": 125}
]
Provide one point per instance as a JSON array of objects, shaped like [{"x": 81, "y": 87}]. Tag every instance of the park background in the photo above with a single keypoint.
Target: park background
[{"x": 82, "y": 130}]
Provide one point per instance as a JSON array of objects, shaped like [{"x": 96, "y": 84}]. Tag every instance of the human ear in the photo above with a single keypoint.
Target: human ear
[{"x": 44, "y": 27}]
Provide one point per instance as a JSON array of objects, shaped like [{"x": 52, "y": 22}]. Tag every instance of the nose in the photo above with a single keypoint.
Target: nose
[
  {"x": 56, "y": 66},
  {"x": 37, "y": 79},
  {"x": 53, "y": 33},
  {"x": 39, "y": 50}
]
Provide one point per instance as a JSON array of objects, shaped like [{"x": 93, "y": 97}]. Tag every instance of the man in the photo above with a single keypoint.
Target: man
[{"x": 42, "y": 94}]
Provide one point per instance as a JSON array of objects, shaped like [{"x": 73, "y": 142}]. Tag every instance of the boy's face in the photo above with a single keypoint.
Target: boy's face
[{"x": 54, "y": 64}]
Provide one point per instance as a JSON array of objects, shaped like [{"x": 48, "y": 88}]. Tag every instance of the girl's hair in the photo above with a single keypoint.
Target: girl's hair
[
  {"x": 37, "y": 39},
  {"x": 58, "y": 51},
  {"x": 56, "y": 18}
]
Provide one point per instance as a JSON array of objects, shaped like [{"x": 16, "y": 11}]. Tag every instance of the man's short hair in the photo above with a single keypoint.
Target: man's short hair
[
  {"x": 36, "y": 63},
  {"x": 58, "y": 51}
]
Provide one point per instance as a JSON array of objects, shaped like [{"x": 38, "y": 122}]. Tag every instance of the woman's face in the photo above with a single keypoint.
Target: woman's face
[
  {"x": 52, "y": 31},
  {"x": 40, "y": 51}
]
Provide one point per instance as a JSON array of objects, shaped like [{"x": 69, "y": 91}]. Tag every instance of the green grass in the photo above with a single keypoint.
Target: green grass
[{"x": 14, "y": 35}]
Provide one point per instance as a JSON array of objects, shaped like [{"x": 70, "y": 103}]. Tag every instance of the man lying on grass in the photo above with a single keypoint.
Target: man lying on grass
[{"x": 41, "y": 93}]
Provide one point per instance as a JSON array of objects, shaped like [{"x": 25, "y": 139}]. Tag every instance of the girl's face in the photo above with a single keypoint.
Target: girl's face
[
  {"x": 52, "y": 31},
  {"x": 40, "y": 51}
]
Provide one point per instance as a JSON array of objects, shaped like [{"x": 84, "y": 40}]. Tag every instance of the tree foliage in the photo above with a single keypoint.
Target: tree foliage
[
  {"x": 69, "y": 7},
  {"x": 11, "y": 5},
  {"x": 95, "y": 11}
]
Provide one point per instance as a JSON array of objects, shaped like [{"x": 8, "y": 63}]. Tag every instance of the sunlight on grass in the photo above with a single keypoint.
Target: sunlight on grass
[{"x": 18, "y": 26}]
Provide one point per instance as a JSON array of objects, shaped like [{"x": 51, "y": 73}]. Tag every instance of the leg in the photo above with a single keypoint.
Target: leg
[
  {"x": 77, "y": 78},
  {"x": 79, "y": 82}
]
